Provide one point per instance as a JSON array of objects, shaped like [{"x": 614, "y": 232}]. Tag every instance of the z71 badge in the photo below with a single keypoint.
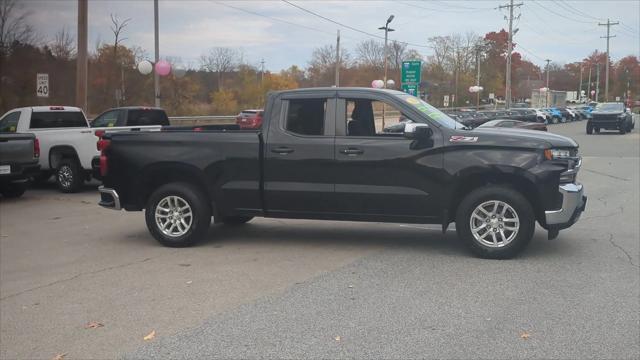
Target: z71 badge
[{"x": 459, "y": 138}]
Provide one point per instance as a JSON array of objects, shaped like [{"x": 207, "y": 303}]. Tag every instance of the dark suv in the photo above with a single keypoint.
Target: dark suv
[{"x": 610, "y": 116}]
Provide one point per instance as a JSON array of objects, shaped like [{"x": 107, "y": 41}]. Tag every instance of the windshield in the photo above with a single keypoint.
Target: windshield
[
  {"x": 431, "y": 112},
  {"x": 609, "y": 107}
]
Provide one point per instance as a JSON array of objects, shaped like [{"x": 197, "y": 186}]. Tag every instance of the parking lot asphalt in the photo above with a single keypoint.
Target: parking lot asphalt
[{"x": 295, "y": 288}]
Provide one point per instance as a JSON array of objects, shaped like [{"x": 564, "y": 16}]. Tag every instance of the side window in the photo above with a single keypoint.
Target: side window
[
  {"x": 367, "y": 117},
  {"x": 108, "y": 119},
  {"x": 9, "y": 123},
  {"x": 146, "y": 117},
  {"x": 306, "y": 116}
]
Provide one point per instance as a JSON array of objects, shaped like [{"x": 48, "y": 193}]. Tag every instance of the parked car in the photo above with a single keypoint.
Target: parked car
[
  {"x": 131, "y": 116},
  {"x": 566, "y": 114},
  {"x": 67, "y": 142},
  {"x": 610, "y": 116},
  {"x": 19, "y": 155},
  {"x": 309, "y": 161},
  {"x": 509, "y": 123},
  {"x": 250, "y": 119},
  {"x": 555, "y": 115},
  {"x": 527, "y": 115}
]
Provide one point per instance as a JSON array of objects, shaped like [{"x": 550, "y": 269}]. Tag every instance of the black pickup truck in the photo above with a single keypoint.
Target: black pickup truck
[
  {"x": 19, "y": 154},
  {"x": 610, "y": 116},
  {"x": 323, "y": 153}
]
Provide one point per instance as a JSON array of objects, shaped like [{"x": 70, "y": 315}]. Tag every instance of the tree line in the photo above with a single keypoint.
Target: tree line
[{"x": 223, "y": 82}]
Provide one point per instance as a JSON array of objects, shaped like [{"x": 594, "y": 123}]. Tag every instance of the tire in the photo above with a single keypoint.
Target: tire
[
  {"x": 181, "y": 232},
  {"x": 554, "y": 120},
  {"x": 589, "y": 129},
  {"x": 622, "y": 130},
  {"x": 508, "y": 243},
  {"x": 12, "y": 191},
  {"x": 236, "y": 220},
  {"x": 69, "y": 176},
  {"x": 597, "y": 130}
]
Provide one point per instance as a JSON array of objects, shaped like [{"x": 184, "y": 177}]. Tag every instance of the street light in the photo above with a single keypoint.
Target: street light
[{"x": 386, "y": 29}]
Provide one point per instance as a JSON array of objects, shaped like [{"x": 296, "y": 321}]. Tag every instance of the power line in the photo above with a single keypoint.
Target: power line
[
  {"x": 349, "y": 27},
  {"x": 561, "y": 15},
  {"x": 574, "y": 10},
  {"x": 449, "y": 5}
]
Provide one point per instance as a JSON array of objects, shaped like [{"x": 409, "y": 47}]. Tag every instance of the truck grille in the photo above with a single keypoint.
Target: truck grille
[{"x": 612, "y": 117}]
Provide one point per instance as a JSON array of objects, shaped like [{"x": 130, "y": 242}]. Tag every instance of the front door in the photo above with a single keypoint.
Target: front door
[
  {"x": 299, "y": 156},
  {"x": 379, "y": 173}
]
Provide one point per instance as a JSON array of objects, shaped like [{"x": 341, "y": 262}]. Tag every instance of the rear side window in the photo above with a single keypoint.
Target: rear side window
[
  {"x": 9, "y": 123},
  {"x": 57, "y": 119},
  {"x": 306, "y": 116},
  {"x": 148, "y": 117},
  {"x": 108, "y": 119}
]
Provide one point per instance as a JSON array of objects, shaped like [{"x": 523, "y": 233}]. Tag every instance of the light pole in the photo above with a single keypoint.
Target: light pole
[
  {"x": 546, "y": 99},
  {"x": 386, "y": 29}
]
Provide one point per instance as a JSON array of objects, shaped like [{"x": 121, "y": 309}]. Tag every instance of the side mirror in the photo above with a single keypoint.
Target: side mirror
[{"x": 417, "y": 131}]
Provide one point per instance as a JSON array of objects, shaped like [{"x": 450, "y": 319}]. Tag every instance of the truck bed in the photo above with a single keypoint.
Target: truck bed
[{"x": 225, "y": 162}]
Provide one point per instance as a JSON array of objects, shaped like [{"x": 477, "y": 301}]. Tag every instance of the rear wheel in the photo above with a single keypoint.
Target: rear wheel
[
  {"x": 236, "y": 220},
  {"x": 495, "y": 222},
  {"x": 622, "y": 130},
  {"x": 11, "y": 191},
  {"x": 554, "y": 120},
  {"x": 589, "y": 129},
  {"x": 69, "y": 176},
  {"x": 178, "y": 215},
  {"x": 597, "y": 130}
]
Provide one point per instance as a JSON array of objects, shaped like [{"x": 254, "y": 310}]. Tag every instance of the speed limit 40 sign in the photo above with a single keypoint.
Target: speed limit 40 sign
[{"x": 42, "y": 85}]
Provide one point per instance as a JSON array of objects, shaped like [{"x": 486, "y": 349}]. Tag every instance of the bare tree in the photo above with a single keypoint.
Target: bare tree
[
  {"x": 220, "y": 60},
  {"x": 117, "y": 28},
  {"x": 397, "y": 53},
  {"x": 370, "y": 53},
  {"x": 13, "y": 25},
  {"x": 322, "y": 66},
  {"x": 63, "y": 45}
]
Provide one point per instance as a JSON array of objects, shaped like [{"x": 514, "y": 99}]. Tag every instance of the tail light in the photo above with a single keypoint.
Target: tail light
[
  {"x": 103, "y": 145},
  {"x": 99, "y": 133},
  {"x": 36, "y": 148}
]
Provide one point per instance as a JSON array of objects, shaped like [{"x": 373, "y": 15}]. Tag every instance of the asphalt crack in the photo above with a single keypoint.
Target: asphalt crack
[
  {"x": 608, "y": 175},
  {"x": 75, "y": 277},
  {"x": 621, "y": 249}
]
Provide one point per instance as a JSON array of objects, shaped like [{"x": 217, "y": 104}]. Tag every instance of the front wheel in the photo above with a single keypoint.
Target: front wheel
[
  {"x": 496, "y": 222},
  {"x": 178, "y": 215},
  {"x": 589, "y": 129},
  {"x": 69, "y": 176}
]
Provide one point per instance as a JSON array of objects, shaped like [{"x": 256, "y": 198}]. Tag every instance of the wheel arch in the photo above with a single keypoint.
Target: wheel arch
[{"x": 59, "y": 153}]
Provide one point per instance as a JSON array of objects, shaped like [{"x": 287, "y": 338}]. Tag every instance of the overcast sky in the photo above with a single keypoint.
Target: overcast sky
[{"x": 561, "y": 30}]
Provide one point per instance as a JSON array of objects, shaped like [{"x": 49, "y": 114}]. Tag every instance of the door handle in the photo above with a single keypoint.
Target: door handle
[
  {"x": 85, "y": 131},
  {"x": 282, "y": 150},
  {"x": 352, "y": 151}
]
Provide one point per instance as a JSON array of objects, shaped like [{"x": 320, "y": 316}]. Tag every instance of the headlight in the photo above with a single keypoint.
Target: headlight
[{"x": 555, "y": 154}]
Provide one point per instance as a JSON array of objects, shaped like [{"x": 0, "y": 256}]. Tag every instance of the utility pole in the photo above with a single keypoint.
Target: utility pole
[
  {"x": 509, "y": 50},
  {"x": 597, "y": 81},
  {"x": 337, "y": 81},
  {"x": 606, "y": 76},
  {"x": 546, "y": 95},
  {"x": 261, "y": 72},
  {"x": 156, "y": 77},
  {"x": 478, "y": 77},
  {"x": 81, "y": 60},
  {"x": 580, "y": 87},
  {"x": 589, "y": 87}
]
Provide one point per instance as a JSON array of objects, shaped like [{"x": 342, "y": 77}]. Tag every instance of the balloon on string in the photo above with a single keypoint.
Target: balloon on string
[
  {"x": 145, "y": 67},
  {"x": 377, "y": 84},
  {"x": 391, "y": 83},
  {"x": 163, "y": 68},
  {"x": 180, "y": 72}
]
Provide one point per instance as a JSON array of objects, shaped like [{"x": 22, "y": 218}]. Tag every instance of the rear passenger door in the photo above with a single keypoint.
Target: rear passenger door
[{"x": 299, "y": 155}]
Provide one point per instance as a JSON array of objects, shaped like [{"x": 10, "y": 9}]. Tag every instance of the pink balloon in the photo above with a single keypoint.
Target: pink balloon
[{"x": 163, "y": 68}]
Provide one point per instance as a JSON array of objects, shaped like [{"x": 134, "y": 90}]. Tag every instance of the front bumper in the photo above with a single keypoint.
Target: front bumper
[
  {"x": 109, "y": 198},
  {"x": 574, "y": 203}
]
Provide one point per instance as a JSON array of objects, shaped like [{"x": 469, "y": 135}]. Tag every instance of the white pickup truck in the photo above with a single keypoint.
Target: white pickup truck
[{"x": 67, "y": 139}]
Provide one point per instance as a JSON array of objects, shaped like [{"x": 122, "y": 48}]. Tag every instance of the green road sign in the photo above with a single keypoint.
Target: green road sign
[
  {"x": 411, "y": 89},
  {"x": 411, "y": 72}
]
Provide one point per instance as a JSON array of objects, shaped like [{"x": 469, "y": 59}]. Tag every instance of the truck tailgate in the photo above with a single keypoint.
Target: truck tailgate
[{"x": 16, "y": 148}]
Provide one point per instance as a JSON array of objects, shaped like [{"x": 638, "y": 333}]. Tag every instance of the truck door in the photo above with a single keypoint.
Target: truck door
[
  {"x": 299, "y": 155},
  {"x": 380, "y": 173}
]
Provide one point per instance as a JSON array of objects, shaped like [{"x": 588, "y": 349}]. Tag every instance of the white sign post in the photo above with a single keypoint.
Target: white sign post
[
  {"x": 446, "y": 101},
  {"x": 42, "y": 85}
]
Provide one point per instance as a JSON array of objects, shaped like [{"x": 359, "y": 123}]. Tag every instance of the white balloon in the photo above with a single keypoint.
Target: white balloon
[
  {"x": 145, "y": 67},
  {"x": 391, "y": 83},
  {"x": 179, "y": 72}
]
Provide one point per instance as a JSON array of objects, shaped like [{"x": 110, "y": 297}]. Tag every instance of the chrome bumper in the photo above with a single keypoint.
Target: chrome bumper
[
  {"x": 573, "y": 204},
  {"x": 109, "y": 198}
]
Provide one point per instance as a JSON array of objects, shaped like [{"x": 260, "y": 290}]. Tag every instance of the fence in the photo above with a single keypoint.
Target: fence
[{"x": 202, "y": 120}]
